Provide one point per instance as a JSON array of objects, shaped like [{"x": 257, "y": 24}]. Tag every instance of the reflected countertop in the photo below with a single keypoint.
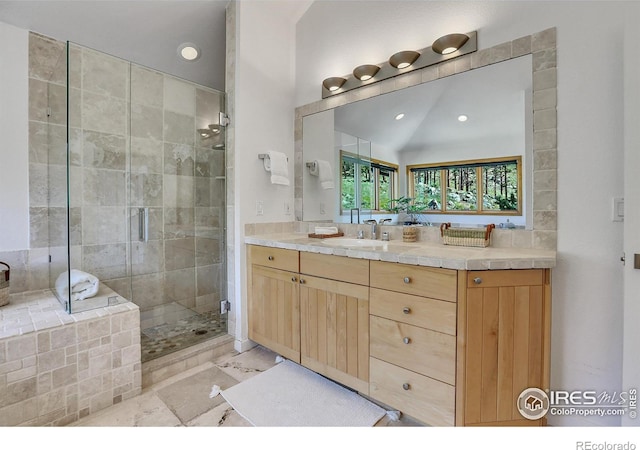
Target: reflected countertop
[{"x": 428, "y": 253}]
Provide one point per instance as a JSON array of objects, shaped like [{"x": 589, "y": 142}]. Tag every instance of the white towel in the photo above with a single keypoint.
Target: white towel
[
  {"x": 279, "y": 168},
  {"x": 83, "y": 285},
  {"x": 326, "y": 174},
  {"x": 326, "y": 230}
]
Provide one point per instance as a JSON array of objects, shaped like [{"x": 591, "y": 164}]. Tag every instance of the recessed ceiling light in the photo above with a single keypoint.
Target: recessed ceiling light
[
  {"x": 462, "y": 118},
  {"x": 399, "y": 116},
  {"x": 188, "y": 51}
]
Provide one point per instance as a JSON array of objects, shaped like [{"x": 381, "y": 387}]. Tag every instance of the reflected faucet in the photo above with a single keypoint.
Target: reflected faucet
[
  {"x": 374, "y": 227},
  {"x": 356, "y": 210}
]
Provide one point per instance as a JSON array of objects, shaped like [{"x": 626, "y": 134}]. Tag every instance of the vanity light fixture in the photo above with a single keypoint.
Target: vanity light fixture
[
  {"x": 188, "y": 51},
  {"x": 445, "y": 48},
  {"x": 205, "y": 133},
  {"x": 402, "y": 60},
  {"x": 449, "y": 43},
  {"x": 399, "y": 116},
  {"x": 365, "y": 72},
  {"x": 333, "y": 83},
  {"x": 462, "y": 118}
]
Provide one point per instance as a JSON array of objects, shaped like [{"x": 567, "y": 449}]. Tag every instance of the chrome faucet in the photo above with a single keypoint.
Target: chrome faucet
[{"x": 374, "y": 227}]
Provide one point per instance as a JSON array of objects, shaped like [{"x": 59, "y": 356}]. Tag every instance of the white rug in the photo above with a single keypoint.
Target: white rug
[{"x": 289, "y": 395}]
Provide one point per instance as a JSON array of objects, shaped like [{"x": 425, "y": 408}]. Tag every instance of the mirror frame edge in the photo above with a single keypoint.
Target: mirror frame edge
[{"x": 542, "y": 47}]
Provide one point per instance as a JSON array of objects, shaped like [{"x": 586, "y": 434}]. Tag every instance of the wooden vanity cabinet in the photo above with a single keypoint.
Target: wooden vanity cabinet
[
  {"x": 504, "y": 344},
  {"x": 274, "y": 300},
  {"x": 447, "y": 347},
  {"x": 334, "y": 318}
]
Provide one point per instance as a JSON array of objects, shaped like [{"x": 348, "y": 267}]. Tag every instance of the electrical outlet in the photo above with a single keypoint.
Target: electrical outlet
[
  {"x": 287, "y": 209},
  {"x": 323, "y": 209},
  {"x": 617, "y": 210},
  {"x": 225, "y": 306},
  {"x": 259, "y": 208}
]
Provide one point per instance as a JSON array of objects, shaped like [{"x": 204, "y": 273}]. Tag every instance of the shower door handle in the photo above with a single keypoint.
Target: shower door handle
[{"x": 143, "y": 224}]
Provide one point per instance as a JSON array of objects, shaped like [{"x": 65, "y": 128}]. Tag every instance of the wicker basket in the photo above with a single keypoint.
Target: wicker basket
[
  {"x": 466, "y": 237},
  {"x": 4, "y": 285}
]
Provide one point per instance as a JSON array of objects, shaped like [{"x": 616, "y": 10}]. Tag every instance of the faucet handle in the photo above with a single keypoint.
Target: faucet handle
[{"x": 360, "y": 234}]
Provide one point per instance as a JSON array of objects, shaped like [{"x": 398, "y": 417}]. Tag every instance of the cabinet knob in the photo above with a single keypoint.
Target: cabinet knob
[
  {"x": 294, "y": 279},
  {"x": 406, "y": 340},
  {"x": 477, "y": 280},
  {"x": 302, "y": 281},
  {"x": 270, "y": 258},
  {"x": 406, "y": 386},
  {"x": 406, "y": 310},
  {"x": 407, "y": 280}
]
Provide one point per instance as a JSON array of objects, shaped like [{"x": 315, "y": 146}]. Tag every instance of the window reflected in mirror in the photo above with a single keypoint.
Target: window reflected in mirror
[{"x": 365, "y": 183}]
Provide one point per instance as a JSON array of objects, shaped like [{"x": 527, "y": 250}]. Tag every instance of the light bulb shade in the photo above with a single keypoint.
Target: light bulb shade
[
  {"x": 449, "y": 43},
  {"x": 205, "y": 133},
  {"x": 365, "y": 72},
  {"x": 333, "y": 83},
  {"x": 404, "y": 59}
]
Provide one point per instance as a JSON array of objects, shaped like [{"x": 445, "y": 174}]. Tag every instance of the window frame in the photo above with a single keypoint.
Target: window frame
[
  {"x": 444, "y": 168},
  {"x": 370, "y": 162}
]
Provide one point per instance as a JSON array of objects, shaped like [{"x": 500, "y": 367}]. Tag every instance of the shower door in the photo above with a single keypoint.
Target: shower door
[{"x": 177, "y": 211}]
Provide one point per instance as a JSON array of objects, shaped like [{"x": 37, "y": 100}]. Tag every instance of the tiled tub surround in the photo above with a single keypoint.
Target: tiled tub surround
[
  {"x": 542, "y": 47},
  {"x": 56, "y": 367}
]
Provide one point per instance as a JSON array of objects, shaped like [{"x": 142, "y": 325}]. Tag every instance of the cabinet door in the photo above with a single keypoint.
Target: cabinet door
[
  {"x": 274, "y": 311},
  {"x": 335, "y": 330},
  {"x": 506, "y": 323}
]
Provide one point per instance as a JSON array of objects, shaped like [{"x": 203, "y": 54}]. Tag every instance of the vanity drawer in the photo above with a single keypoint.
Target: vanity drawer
[
  {"x": 424, "y": 351},
  {"x": 424, "y": 281},
  {"x": 423, "y": 398},
  {"x": 339, "y": 268},
  {"x": 504, "y": 278},
  {"x": 423, "y": 312},
  {"x": 277, "y": 258}
]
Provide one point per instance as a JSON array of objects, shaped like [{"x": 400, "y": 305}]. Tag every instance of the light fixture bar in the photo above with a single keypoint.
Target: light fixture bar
[{"x": 428, "y": 57}]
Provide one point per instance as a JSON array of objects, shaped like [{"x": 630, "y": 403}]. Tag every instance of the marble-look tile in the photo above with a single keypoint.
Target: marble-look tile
[
  {"x": 155, "y": 224},
  {"x": 144, "y": 410},
  {"x": 208, "y": 251},
  {"x": 146, "y": 86},
  {"x": 189, "y": 398},
  {"x": 178, "y": 191},
  {"x": 179, "y": 96},
  {"x": 147, "y": 257},
  {"x": 179, "y": 159},
  {"x": 147, "y": 290},
  {"x": 103, "y": 113},
  {"x": 180, "y": 284},
  {"x": 146, "y": 122},
  {"x": 104, "y": 151},
  {"x": 38, "y": 95},
  {"x": 208, "y": 221},
  {"x": 45, "y": 54},
  {"x": 104, "y": 74},
  {"x": 179, "y": 128},
  {"x": 209, "y": 162},
  {"x": 146, "y": 189},
  {"x": 147, "y": 155},
  {"x": 178, "y": 222},
  {"x": 104, "y": 225},
  {"x": 209, "y": 192},
  {"x": 209, "y": 104},
  {"x": 48, "y": 144},
  {"x": 104, "y": 187},
  {"x": 105, "y": 261},
  {"x": 248, "y": 364},
  {"x": 208, "y": 279},
  {"x": 222, "y": 415},
  {"x": 179, "y": 253}
]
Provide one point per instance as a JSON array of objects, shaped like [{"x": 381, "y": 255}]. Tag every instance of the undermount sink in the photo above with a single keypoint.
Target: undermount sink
[{"x": 353, "y": 243}]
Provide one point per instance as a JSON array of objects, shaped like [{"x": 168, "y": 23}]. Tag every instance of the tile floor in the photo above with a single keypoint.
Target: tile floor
[{"x": 183, "y": 400}]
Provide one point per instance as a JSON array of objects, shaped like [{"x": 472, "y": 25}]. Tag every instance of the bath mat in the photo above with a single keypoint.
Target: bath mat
[{"x": 289, "y": 395}]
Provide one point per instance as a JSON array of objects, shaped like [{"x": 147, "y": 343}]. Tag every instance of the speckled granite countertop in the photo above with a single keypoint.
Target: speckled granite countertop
[{"x": 418, "y": 253}]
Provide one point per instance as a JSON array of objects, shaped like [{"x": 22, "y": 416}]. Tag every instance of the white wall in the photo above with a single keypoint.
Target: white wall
[
  {"x": 587, "y": 283},
  {"x": 631, "y": 362},
  {"x": 318, "y": 144},
  {"x": 14, "y": 144},
  {"x": 264, "y": 117}
]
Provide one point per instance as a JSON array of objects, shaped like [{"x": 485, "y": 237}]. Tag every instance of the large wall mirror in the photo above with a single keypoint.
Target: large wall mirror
[
  {"x": 498, "y": 166},
  {"x": 460, "y": 148}
]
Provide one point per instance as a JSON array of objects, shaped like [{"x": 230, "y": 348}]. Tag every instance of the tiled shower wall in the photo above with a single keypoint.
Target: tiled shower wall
[{"x": 128, "y": 124}]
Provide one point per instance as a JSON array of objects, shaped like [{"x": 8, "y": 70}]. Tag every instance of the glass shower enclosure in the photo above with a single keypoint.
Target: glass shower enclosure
[{"x": 137, "y": 196}]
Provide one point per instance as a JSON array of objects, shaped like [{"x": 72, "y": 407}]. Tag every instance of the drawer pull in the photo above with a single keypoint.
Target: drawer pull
[
  {"x": 406, "y": 340},
  {"x": 477, "y": 280},
  {"x": 406, "y": 386},
  {"x": 294, "y": 279},
  {"x": 407, "y": 280},
  {"x": 302, "y": 281},
  {"x": 406, "y": 310},
  {"x": 270, "y": 258}
]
